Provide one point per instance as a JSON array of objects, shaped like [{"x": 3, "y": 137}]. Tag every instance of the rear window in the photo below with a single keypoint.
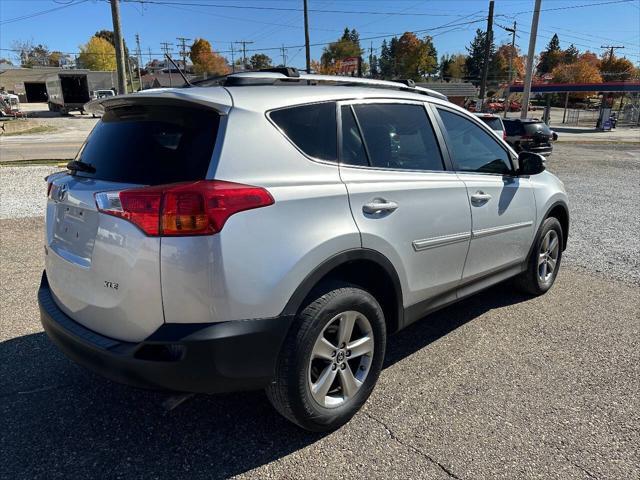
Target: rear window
[
  {"x": 513, "y": 127},
  {"x": 533, "y": 128},
  {"x": 311, "y": 128},
  {"x": 493, "y": 122},
  {"x": 151, "y": 145}
]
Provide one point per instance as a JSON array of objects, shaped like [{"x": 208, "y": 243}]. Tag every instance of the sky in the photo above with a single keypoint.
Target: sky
[{"x": 66, "y": 24}]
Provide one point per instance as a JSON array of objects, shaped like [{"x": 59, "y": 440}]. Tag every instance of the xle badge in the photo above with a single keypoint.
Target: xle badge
[{"x": 111, "y": 285}]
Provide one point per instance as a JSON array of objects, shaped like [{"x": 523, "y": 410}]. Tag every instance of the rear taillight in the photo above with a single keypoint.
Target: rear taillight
[
  {"x": 198, "y": 208},
  {"x": 49, "y": 185},
  {"x": 504, "y": 135}
]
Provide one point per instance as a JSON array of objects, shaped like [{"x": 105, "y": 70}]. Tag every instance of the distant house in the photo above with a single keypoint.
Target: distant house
[
  {"x": 163, "y": 80},
  {"x": 457, "y": 93},
  {"x": 164, "y": 66}
]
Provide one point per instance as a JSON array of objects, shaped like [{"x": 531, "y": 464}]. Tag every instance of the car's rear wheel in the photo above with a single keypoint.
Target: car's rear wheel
[
  {"x": 545, "y": 258},
  {"x": 331, "y": 359}
]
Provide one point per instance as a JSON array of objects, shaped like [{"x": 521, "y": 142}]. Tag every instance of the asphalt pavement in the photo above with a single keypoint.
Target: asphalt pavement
[{"x": 498, "y": 386}]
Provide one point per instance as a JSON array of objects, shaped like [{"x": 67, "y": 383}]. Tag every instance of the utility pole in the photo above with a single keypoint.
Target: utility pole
[
  {"x": 532, "y": 49},
  {"x": 183, "y": 52},
  {"x": 611, "y": 48},
  {"x": 150, "y": 56},
  {"x": 166, "y": 50},
  {"x": 233, "y": 59},
  {"x": 119, "y": 45},
  {"x": 139, "y": 57},
  {"x": 487, "y": 53},
  {"x": 244, "y": 44},
  {"x": 511, "y": 55},
  {"x": 284, "y": 55},
  {"x": 130, "y": 74},
  {"x": 371, "y": 60},
  {"x": 306, "y": 37}
]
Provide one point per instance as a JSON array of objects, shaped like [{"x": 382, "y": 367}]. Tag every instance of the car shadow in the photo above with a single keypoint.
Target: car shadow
[{"x": 59, "y": 420}]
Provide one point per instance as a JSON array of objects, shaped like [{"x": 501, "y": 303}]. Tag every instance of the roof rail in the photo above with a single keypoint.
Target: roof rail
[{"x": 271, "y": 76}]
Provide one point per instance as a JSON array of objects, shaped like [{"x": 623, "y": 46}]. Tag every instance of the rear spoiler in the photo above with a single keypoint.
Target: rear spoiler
[{"x": 216, "y": 99}]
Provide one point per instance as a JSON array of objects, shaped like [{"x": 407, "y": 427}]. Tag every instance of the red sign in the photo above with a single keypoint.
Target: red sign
[{"x": 349, "y": 65}]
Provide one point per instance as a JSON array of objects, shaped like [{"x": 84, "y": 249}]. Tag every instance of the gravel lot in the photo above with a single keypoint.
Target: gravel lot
[
  {"x": 498, "y": 386},
  {"x": 603, "y": 183}
]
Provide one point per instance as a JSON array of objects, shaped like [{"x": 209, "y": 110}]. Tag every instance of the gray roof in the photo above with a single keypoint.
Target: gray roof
[{"x": 460, "y": 89}]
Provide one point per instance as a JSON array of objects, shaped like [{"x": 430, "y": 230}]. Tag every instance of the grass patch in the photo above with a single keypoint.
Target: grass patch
[
  {"x": 35, "y": 162},
  {"x": 30, "y": 131}
]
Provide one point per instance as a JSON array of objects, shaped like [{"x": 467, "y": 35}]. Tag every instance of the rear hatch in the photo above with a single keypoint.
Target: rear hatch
[
  {"x": 538, "y": 134},
  {"x": 104, "y": 269}
]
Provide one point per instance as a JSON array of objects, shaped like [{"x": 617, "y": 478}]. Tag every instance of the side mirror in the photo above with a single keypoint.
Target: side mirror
[{"x": 530, "y": 163}]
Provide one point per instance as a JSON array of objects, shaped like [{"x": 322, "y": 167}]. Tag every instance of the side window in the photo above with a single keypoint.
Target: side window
[
  {"x": 473, "y": 149},
  {"x": 352, "y": 152},
  {"x": 312, "y": 128},
  {"x": 399, "y": 136}
]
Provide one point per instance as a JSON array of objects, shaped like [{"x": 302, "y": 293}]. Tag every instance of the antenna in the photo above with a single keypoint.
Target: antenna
[{"x": 184, "y": 77}]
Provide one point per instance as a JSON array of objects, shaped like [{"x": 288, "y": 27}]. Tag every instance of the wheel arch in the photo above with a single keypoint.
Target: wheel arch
[
  {"x": 363, "y": 267},
  {"x": 560, "y": 210}
]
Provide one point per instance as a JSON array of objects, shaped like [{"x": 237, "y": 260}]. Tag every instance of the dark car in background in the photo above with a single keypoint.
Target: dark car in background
[{"x": 529, "y": 134}]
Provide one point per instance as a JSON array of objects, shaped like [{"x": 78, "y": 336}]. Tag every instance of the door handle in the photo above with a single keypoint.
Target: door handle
[
  {"x": 480, "y": 198},
  {"x": 379, "y": 205}
]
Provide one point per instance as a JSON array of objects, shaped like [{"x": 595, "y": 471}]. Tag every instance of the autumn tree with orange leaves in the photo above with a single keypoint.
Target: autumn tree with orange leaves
[{"x": 205, "y": 60}]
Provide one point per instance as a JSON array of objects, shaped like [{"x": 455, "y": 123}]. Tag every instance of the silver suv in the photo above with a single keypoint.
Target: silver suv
[{"x": 272, "y": 230}]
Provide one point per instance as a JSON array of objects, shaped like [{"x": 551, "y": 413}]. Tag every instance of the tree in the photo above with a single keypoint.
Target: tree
[
  {"x": 260, "y": 60},
  {"x": 551, "y": 57},
  {"x": 207, "y": 61},
  {"x": 570, "y": 55},
  {"x": 581, "y": 71},
  {"x": 415, "y": 58},
  {"x": 475, "y": 59},
  {"x": 615, "y": 69},
  {"x": 110, "y": 37},
  {"x": 457, "y": 67},
  {"x": 347, "y": 46},
  {"x": 31, "y": 55},
  {"x": 98, "y": 54},
  {"x": 387, "y": 60},
  {"x": 54, "y": 58},
  {"x": 501, "y": 63}
]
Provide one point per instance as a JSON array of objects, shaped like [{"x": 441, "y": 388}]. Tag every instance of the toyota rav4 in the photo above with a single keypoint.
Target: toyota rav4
[{"x": 270, "y": 230}]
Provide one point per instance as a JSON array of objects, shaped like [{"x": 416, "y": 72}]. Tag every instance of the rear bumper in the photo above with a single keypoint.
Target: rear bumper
[
  {"x": 202, "y": 358},
  {"x": 544, "y": 150}
]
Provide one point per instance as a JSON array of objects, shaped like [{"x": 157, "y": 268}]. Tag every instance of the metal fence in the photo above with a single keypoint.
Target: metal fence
[{"x": 576, "y": 116}]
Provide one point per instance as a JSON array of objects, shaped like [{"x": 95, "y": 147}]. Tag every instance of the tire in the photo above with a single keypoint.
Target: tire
[
  {"x": 538, "y": 278},
  {"x": 296, "y": 392}
]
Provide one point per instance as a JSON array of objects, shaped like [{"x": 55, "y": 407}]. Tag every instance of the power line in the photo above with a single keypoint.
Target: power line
[
  {"x": 290, "y": 9},
  {"x": 573, "y": 7},
  {"x": 41, "y": 12},
  {"x": 317, "y": 44}
]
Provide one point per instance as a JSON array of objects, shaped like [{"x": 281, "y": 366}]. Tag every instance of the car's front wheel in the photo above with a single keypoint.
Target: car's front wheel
[
  {"x": 331, "y": 359},
  {"x": 545, "y": 258}
]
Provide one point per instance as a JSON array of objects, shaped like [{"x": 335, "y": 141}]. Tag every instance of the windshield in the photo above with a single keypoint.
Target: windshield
[{"x": 150, "y": 145}]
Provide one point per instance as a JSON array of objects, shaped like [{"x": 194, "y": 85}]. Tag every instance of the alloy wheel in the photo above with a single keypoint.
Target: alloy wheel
[
  {"x": 341, "y": 359},
  {"x": 548, "y": 256}
]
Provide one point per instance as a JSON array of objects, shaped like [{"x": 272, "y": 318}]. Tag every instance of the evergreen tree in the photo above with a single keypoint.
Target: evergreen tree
[
  {"x": 570, "y": 55},
  {"x": 551, "y": 57},
  {"x": 475, "y": 59},
  {"x": 386, "y": 62}
]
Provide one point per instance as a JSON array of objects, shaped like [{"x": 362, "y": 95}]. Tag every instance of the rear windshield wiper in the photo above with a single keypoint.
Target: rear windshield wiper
[{"x": 76, "y": 166}]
